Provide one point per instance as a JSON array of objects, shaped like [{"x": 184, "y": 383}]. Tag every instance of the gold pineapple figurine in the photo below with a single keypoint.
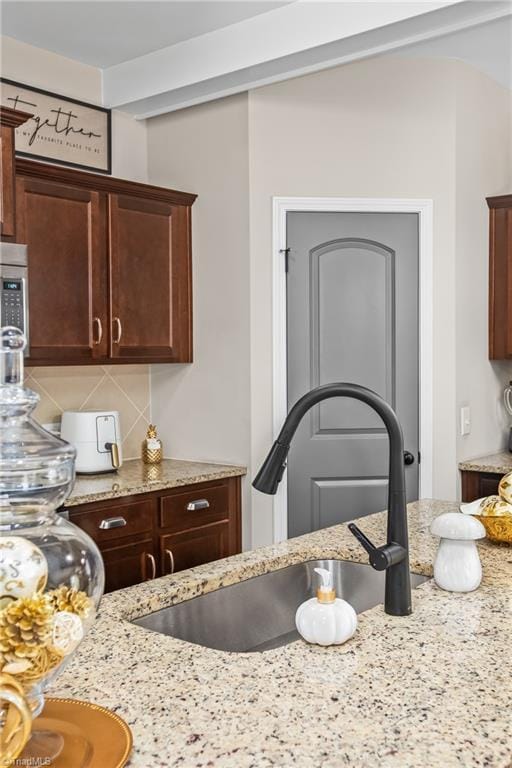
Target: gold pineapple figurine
[{"x": 152, "y": 451}]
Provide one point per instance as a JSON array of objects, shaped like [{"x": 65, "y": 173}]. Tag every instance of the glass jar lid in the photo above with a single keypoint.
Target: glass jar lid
[{"x": 37, "y": 469}]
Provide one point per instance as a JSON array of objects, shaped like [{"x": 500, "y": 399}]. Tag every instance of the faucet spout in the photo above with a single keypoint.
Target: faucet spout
[{"x": 394, "y": 556}]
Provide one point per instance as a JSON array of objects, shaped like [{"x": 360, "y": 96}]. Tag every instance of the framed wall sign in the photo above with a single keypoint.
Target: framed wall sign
[{"x": 62, "y": 130}]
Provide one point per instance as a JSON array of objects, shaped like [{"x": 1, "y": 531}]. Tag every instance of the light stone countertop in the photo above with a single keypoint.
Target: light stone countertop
[
  {"x": 498, "y": 463},
  {"x": 136, "y": 477},
  {"x": 432, "y": 689}
]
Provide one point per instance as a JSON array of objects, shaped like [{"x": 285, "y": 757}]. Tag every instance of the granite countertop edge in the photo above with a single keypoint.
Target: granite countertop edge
[
  {"x": 135, "y": 478},
  {"x": 495, "y": 463}
]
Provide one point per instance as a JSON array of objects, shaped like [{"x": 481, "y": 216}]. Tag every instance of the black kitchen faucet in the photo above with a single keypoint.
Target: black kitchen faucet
[{"x": 392, "y": 557}]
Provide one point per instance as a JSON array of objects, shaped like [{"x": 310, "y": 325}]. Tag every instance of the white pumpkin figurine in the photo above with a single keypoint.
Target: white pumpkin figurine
[
  {"x": 457, "y": 566},
  {"x": 325, "y": 619}
]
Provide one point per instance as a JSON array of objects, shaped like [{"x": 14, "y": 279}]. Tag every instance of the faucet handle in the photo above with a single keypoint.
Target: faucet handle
[{"x": 381, "y": 558}]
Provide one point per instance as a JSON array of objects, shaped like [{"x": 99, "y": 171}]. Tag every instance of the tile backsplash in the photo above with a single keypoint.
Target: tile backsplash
[{"x": 124, "y": 388}]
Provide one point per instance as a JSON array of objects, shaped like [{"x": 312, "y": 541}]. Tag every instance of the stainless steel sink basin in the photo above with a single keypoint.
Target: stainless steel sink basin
[{"x": 259, "y": 614}]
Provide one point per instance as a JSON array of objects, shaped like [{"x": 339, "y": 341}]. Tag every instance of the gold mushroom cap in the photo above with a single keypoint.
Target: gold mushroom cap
[
  {"x": 495, "y": 512},
  {"x": 494, "y": 506},
  {"x": 505, "y": 488}
]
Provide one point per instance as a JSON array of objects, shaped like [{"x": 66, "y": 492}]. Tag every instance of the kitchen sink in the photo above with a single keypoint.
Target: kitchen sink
[{"x": 259, "y": 614}]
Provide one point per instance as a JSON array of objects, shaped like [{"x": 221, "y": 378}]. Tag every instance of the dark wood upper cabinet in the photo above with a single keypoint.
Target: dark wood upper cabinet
[
  {"x": 150, "y": 280},
  {"x": 10, "y": 119},
  {"x": 500, "y": 277},
  {"x": 64, "y": 229},
  {"x": 110, "y": 267}
]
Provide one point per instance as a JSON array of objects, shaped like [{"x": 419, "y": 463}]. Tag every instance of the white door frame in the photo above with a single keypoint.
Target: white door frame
[{"x": 424, "y": 208}]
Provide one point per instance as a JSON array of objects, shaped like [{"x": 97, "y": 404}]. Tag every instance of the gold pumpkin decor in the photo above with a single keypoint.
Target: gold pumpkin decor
[
  {"x": 495, "y": 512},
  {"x": 505, "y": 488}
]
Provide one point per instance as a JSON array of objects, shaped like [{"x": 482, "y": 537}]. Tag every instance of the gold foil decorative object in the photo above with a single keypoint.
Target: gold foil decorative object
[
  {"x": 495, "y": 512},
  {"x": 152, "y": 449},
  {"x": 505, "y": 488}
]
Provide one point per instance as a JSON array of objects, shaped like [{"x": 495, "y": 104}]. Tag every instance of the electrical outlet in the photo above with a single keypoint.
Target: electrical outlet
[{"x": 465, "y": 420}]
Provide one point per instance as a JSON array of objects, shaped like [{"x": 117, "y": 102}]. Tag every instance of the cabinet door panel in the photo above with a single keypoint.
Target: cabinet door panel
[
  {"x": 128, "y": 564},
  {"x": 64, "y": 228},
  {"x": 488, "y": 485},
  {"x": 476, "y": 485},
  {"x": 194, "y": 547},
  {"x": 150, "y": 280},
  {"x": 500, "y": 278},
  {"x": 7, "y": 199}
]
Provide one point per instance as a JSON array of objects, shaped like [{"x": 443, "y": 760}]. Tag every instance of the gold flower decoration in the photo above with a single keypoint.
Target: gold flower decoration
[
  {"x": 25, "y": 627},
  {"x": 70, "y": 600},
  {"x": 26, "y": 630}
]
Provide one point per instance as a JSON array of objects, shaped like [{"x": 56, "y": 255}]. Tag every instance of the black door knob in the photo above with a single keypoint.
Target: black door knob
[{"x": 408, "y": 458}]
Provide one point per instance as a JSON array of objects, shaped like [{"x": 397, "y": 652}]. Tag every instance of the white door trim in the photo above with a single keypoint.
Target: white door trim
[{"x": 424, "y": 208}]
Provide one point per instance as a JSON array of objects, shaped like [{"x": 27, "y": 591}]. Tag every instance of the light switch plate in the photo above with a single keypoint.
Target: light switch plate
[{"x": 465, "y": 420}]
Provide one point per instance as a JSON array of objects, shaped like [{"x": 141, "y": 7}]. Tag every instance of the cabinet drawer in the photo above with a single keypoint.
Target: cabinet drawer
[
  {"x": 112, "y": 522},
  {"x": 194, "y": 508}
]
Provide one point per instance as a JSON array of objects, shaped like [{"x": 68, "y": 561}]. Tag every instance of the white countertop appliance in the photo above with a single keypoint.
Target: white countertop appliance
[{"x": 96, "y": 436}]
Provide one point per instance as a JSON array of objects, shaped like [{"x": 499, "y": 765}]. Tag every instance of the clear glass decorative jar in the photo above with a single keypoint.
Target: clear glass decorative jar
[{"x": 51, "y": 572}]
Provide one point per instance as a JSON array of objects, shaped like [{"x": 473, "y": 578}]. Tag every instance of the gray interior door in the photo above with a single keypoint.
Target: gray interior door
[{"x": 352, "y": 290}]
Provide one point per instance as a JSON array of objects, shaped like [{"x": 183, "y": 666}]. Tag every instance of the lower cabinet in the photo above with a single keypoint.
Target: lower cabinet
[
  {"x": 128, "y": 564},
  {"x": 475, "y": 485},
  {"x": 155, "y": 534},
  {"x": 194, "y": 547}
]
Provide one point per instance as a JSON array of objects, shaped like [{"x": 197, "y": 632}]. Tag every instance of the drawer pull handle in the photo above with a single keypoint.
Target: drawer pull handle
[
  {"x": 170, "y": 555},
  {"x": 112, "y": 522},
  {"x": 97, "y": 323},
  {"x": 117, "y": 322},
  {"x": 193, "y": 506},
  {"x": 153, "y": 565}
]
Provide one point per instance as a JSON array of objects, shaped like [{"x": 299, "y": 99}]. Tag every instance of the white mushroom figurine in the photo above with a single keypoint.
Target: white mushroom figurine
[{"x": 457, "y": 566}]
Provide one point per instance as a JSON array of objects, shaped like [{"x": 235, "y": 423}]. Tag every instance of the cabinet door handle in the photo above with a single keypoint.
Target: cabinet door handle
[
  {"x": 153, "y": 565},
  {"x": 170, "y": 555},
  {"x": 112, "y": 522},
  {"x": 116, "y": 321},
  {"x": 96, "y": 322},
  {"x": 193, "y": 506}
]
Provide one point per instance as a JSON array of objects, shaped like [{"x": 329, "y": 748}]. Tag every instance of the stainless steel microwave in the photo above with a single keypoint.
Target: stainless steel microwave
[{"x": 14, "y": 287}]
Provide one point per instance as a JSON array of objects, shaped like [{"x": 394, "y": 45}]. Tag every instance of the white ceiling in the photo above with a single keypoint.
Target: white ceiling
[
  {"x": 161, "y": 56},
  {"x": 107, "y": 32},
  {"x": 487, "y": 47}
]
